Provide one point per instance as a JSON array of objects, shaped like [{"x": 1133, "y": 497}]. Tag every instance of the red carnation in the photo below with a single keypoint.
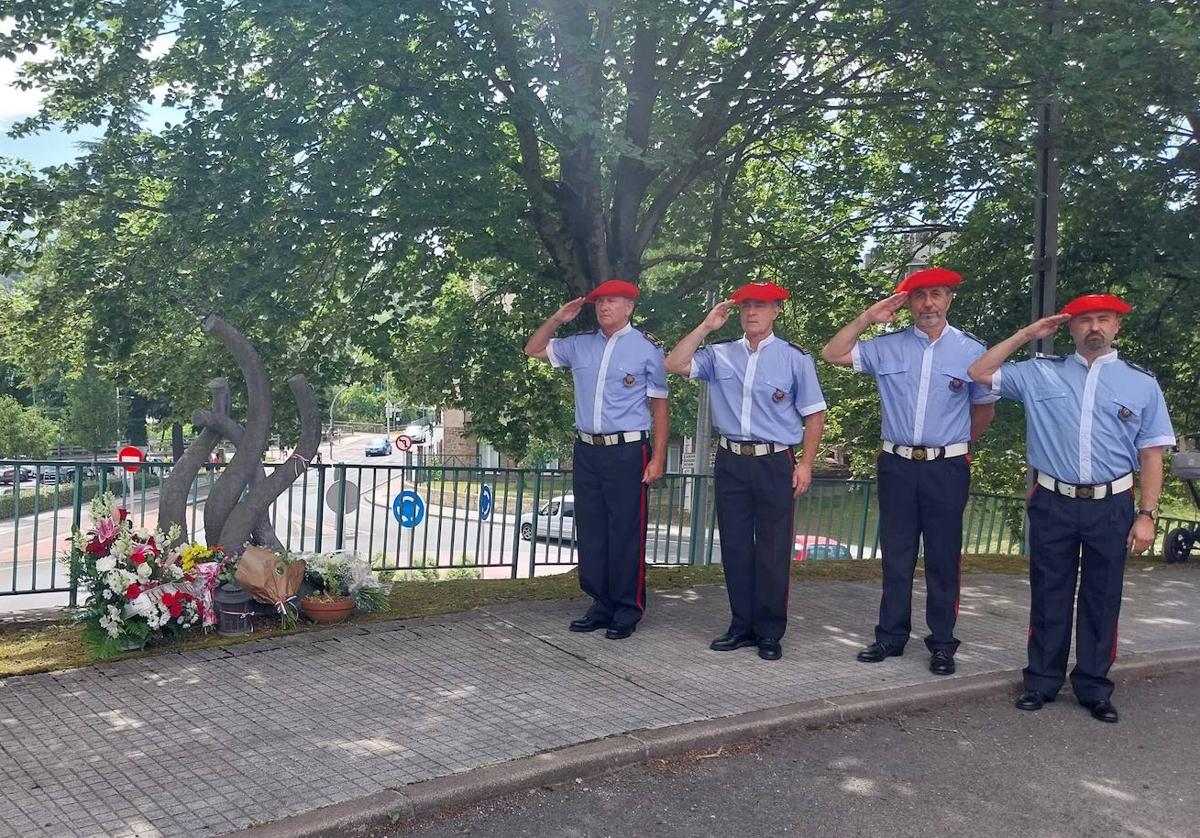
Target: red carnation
[{"x": 133, "y": 591}]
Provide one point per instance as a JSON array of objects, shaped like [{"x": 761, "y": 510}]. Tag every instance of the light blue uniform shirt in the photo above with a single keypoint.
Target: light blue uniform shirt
[
  {"x": 759, "y": 396},
  {"x": 1085, "y": 424},
  {"x": 613, "y": 378},
  {"x": 924, "y": 388}
]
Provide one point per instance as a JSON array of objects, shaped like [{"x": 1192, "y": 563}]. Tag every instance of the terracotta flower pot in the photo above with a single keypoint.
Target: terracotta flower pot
[{"x": 321, "y": 610}]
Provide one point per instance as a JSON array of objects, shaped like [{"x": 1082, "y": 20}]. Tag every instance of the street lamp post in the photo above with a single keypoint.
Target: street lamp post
[{"x": 332, "y": 404}]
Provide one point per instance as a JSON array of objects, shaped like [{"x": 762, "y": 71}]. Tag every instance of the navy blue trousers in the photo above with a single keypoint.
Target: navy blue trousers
[
  {"x": 1065, "y": 536},
  {"x": 921, "y": 502},
  {"x": 610, "y": 528},
  {"x": 754, "y": 514}
]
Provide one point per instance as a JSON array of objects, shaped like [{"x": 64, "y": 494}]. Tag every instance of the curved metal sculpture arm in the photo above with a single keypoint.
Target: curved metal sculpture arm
[
  {"x": 264, "y": 531},
  {"x": 259, "y": 498},
  {"x": 173, "y": 495},
  {"x": 227, "y": 491}
]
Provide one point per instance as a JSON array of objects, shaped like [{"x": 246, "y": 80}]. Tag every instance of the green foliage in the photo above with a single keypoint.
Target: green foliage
[
  {"x": 418, "y": 185},
  {"x": 24, "y": 431},
  {"x": 92, "y": 419}
]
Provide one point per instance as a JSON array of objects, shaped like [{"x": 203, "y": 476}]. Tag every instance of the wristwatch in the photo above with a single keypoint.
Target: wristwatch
[{"x": 1152, "y": 514}]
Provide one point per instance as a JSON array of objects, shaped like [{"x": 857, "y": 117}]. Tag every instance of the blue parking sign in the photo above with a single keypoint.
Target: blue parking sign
[
  {"x": 485, "y": 502},
  {"x": 408, "y": 508}
]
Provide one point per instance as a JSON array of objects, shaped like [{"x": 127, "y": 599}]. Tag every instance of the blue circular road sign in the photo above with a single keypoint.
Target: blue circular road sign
[
  {"x": 485, "y": 502},
  {"x": 408, "y": 508}
]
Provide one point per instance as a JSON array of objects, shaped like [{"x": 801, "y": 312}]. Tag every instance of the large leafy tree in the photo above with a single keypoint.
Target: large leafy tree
[{"x": 424, "y": 181}]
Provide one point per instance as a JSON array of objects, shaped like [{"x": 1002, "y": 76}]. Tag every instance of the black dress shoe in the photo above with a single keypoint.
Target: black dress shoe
[
  {"x": 616, "y": 632},
  {"x": 941, "y": 663},
  {"x": 729, "y": 641},
  {"x": 1032, "y": 700},
  {"x": 588, "y": 624},
  {"x": 879, "y": 650},
  {"x": 1102, "y": 710},
  {"x": 769, "y": 650}
]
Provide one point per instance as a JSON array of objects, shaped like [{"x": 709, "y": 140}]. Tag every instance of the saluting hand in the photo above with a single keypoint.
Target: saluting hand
[
  {"x": 1045, "y": 327},
  {"x": 569, "y": 311},
  {"x": 885, "y": 310},
  {"x": 719, "y": 314}
]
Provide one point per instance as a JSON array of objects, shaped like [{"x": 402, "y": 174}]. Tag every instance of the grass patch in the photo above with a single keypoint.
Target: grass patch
[{"x": 26, "y": 649}]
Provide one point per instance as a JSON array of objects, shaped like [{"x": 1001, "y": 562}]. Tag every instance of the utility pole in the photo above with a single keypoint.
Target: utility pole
[
  {"x": 1045, "y": 233},
  {"x": 701, "y": 468},
  {"x": 1045, "y": 226}
]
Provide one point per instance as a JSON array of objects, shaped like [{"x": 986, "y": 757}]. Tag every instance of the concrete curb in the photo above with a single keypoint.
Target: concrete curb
[{"x": 392, "y": 808}]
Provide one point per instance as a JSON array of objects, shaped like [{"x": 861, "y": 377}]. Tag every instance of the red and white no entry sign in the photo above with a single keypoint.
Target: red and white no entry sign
[
  {"x": 130, "y": 454},
  {"x": 404, "y": 442}
]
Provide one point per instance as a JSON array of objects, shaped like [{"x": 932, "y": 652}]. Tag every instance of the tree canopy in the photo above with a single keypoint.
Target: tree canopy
[{"x": 421, "y": 183}]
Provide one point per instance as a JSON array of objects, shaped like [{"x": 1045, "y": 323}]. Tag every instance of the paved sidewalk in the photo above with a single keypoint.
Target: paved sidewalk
[{"x": 213, "y": 741}]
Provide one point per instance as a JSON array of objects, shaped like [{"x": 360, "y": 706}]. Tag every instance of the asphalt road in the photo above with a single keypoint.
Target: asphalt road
[{"x": 980, "y": 768}]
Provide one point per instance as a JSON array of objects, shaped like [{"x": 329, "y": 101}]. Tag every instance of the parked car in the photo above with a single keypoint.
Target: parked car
[
  {"x": 556, "y": 519},
  {"x": 816, "y": 547},
  {"x": 379, "y": 447},
  {"x": 8, "y": 474},
  {"x": 57, "y": 474}
]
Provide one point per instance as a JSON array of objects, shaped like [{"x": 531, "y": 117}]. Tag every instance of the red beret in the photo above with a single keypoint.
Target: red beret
[
  {"x": 929, "y": 278},
  {"x": 613, "y": 288},
  {"x": 767, "y": 292},
  {"x": 1096, "y": 302}
]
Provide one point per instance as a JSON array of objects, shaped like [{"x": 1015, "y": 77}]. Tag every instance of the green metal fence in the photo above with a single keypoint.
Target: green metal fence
[{"x": 445, "y": 519}]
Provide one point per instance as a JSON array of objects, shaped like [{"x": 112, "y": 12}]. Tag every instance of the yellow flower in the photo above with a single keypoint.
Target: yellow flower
[{"x": 194, "y": 553}]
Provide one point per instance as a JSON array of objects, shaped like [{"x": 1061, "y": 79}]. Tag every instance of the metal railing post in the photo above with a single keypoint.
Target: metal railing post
[
  {"x": 339, "y": 532},
  {"x": 320, "y": 508}
]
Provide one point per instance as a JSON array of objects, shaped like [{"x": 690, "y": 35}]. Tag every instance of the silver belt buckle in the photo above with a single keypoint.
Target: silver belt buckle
[
  {"x": 746, "y": 448},
  {"x": 597, "y": 439},
  {"x": 918, "y": 452},
  {"x": 1085, "y": 492}
]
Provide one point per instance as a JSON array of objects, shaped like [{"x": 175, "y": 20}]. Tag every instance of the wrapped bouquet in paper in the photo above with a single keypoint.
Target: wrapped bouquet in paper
[{"x": 272, "y": 579}]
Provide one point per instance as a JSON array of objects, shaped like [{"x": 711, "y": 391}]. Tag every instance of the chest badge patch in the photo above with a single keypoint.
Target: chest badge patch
[
  {"x": 777, "y": 396},
  {"x": 629, "y": 379},
  {"x": 956, "y": 384},
  {"x": 1125, "y": 413}
]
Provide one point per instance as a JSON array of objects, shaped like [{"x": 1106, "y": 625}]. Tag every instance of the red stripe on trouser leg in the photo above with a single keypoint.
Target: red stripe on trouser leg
[{"x": 641, "y": 592}]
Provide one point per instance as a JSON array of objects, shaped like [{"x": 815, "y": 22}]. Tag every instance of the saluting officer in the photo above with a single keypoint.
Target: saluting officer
[
  {"x": 765, "y": 400},
  {"x": 931, "y": 412},
  {"x": 620, "y": 386},
  {"x": 1091, "y": 419}
]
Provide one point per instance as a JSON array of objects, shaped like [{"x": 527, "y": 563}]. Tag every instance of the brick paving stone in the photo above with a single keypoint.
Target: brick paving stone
[{"x": 205, "y": 742}]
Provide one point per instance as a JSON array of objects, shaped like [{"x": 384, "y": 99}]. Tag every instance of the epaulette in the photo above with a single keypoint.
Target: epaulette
[
  {"x": 650, "y": 336},
  {"x": 1043, "y": 356},
  {"x": 797, "y": 346},
  {"x": 975, "y": 338},
  {"x": 1139, "y": 369},
  {"x": 719, "y": 342}
]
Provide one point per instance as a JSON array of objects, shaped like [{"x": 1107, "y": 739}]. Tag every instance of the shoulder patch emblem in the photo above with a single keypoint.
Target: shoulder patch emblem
[{"x": 1139, "y": 368}]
